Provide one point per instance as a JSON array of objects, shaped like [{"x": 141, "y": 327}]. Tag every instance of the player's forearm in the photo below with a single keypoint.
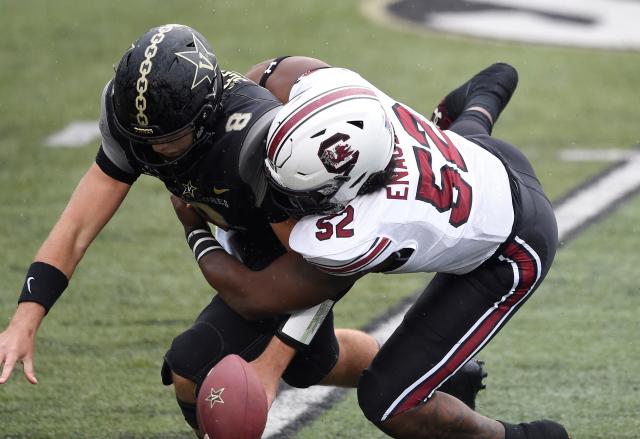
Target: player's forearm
[
  {"x": 287, "y": 285},
  {"x": 64, "y": 247},
  {"x": 237, "y": 285},
  {"x": 48, "y": 276},
  {"x": 93, "y": 203},
  {"x": 28, "y": 317}
]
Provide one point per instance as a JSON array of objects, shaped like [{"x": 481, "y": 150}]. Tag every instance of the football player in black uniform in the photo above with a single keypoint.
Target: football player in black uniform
[{"x": 171, "y": 113}]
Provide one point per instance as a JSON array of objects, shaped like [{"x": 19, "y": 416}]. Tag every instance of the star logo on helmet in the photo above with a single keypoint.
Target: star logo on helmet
[
  {"x": 189, "y": 190},
  {"x": 204, "y": 61}
]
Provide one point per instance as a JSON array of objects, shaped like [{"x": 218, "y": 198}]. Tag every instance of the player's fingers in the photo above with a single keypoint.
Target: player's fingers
[
  {"x": 9, "y": 363},
  {"x": 29, "y": 372}
]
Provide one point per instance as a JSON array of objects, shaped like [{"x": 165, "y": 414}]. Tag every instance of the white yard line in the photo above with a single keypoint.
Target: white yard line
[
  {"x": 595, "y": 199},
  {"x": 74, "y": 135},
  {"x": 588, "y": 203}
]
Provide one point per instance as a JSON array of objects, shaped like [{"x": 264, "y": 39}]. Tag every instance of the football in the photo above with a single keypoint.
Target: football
[{"x": 232, "y": 402}]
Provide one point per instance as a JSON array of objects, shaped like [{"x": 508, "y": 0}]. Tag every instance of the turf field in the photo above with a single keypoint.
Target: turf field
[{"x": 571, "y": 353}]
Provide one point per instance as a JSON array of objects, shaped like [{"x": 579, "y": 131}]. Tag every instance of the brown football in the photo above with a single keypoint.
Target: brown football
[{"x": 232, "y": 403}]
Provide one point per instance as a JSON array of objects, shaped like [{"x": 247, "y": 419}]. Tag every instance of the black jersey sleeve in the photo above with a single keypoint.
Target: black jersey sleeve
[
  {"x": 113, "y": 171},
  {"x": 111, "y": 157},
  {"x": 253, "y": 153}
]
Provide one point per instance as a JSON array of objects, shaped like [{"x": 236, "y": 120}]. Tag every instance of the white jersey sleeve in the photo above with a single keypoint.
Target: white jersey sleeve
[
  {"x": 367, "y": 257},
  {"x": 342, "y": 244}
]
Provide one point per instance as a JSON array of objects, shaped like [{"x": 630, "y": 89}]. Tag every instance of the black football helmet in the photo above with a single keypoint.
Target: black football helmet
[{"x": 167, "y": 85}]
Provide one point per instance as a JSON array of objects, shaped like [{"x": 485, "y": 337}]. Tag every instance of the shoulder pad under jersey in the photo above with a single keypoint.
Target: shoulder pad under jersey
[{"x": 253, "y": 153}]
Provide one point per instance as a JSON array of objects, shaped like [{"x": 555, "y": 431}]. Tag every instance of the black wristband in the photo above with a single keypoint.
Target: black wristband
[
  {"x": 43, "y": 284},
  {"x": 201, "y": 242}
]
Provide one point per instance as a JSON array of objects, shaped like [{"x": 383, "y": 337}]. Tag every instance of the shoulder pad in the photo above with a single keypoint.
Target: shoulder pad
[
  {"x": 231, "y": 79},
  {"x": 253, "y": 153}
]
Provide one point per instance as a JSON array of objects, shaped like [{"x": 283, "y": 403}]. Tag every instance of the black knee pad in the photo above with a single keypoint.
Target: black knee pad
[
  {"x": 189, "y": 413},
  {"x": 193, "y": 353},
  {"x": 311, "y": 364},
  {"x": 308, "y": 368},
  {"x": 217, "y": 331}
]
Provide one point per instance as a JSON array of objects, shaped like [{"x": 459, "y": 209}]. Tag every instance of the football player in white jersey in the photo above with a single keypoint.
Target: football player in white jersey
[{"x": 373, "y": 186}]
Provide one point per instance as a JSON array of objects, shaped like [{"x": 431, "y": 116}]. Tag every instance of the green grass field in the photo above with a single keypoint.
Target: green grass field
[{"x": 572, "y": 353}]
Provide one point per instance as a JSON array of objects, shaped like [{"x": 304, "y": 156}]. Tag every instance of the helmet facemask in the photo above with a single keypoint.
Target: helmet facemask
[
  {"x": 318, "y": 200},
  {"x": 200, "y": 127}
]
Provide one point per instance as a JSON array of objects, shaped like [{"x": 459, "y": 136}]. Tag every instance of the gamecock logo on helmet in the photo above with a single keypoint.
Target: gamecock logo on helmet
[{"x": 336, "y": 155}]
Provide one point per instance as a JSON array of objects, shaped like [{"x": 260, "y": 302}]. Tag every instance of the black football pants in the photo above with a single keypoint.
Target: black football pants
[{"x": 457, "y": 315}]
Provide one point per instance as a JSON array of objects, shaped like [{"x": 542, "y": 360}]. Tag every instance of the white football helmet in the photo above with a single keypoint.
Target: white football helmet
[{"x": 324, "y": 145}]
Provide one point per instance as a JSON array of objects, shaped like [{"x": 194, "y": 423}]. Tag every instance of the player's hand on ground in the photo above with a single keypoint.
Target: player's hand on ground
[
  {"x": 16, "y": 346},
  {"x": 187, "y": 215}
]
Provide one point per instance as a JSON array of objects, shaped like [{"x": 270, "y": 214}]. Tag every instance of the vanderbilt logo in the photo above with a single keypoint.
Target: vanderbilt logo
[
  {"x": 215, "y": 396},
  {"x": 204, "y": 61},
  {"x": 142, "y": 84}
]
